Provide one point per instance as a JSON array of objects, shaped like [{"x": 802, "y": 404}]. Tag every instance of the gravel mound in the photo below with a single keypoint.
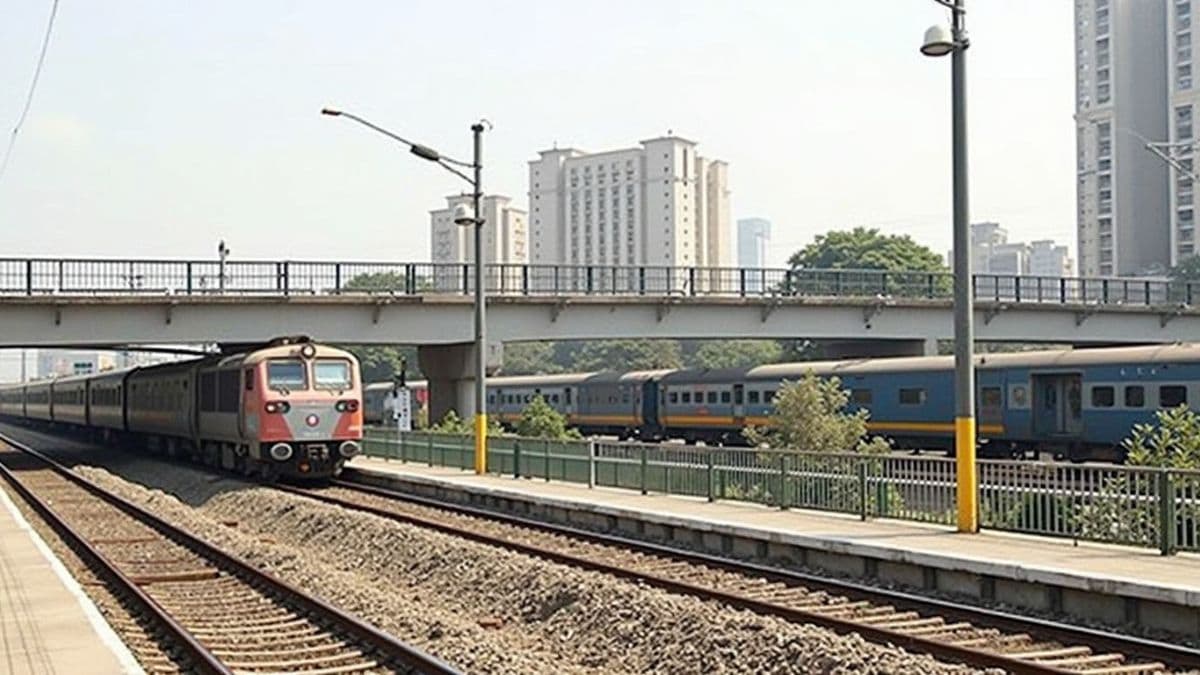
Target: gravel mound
[{"x": 490, "y": 610}]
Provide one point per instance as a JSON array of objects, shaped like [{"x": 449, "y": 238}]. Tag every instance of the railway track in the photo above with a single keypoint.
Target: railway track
[
  {"x": 950, "y": 631},
  {"x": 215, "y": 612}
]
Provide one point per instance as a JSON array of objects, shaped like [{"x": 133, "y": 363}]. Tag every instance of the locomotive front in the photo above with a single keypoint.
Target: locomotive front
[{"x": 303, "y": 409}]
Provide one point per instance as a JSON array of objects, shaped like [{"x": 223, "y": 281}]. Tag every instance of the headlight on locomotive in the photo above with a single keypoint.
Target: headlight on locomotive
[
  {"x": 281, "y": 452},
  {"x": 348, "y": 449}
]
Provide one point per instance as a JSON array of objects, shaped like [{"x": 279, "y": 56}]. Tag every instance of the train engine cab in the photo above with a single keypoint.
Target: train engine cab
[{"x": 302, "y": 408}]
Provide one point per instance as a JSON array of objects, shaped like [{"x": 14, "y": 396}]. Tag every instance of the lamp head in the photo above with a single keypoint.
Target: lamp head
[
  {"x": 939, "y": 41},
  {"x": 331, "y": 112},
  {"x": 463, "y": 215}
]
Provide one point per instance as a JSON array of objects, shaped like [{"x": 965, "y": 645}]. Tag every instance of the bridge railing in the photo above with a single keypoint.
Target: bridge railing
[
  {"x": 1140, "y": 506},
  {"x": 37, "y": 276}
]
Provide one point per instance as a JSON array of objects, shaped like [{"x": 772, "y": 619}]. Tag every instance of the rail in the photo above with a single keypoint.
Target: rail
[
  {"x": 1140, "y": 506},
  {"x": 110, "y": 277}
]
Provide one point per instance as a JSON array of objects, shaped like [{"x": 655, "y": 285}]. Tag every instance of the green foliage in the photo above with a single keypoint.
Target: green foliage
[
  {"x": 539, "y": 420},
  {"x": 530, "y": 358},
  {"x": 866, "y": 249},
  {"x": 1187, "y": 270},
  {"x": 627, "y": 355},
  {"x": 737, "y": 353},
  {"x": 453, "y": 424},
  {"x": 380, "y": 363},
  {"x": 376, "y": 281},
  {"x": 1173, "y": 443},
  {"x": 809, "y": 415}
]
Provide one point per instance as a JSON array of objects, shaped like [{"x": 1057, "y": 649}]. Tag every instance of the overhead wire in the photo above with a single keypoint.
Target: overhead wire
[{"x": 37, "y": 74}]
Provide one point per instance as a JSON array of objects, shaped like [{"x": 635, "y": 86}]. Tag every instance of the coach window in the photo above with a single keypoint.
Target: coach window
[
  {"x": 673, "y": 397},
  {"x": 860, "y": 396},
  {"x": 752, "y": 396},
  {"x": 712, "y": 397},
  {"x": 725, "y": 397},
  {"x": 249, "y": 378},
  {"x": 913, "y": 396},
  {"x": 1103, "y": 397},
  {"x": 1172, "y": 395},
  {"x": 687, "y": 397},
  {"x": 286, "y": 375},
  {"x": 228, "y": 388},
  {"x": 1135, "y": 396}
]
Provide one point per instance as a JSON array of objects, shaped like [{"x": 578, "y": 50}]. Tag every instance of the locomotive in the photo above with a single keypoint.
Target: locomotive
[
  {"x": 292, "y": 409},
  {"x": 1077, "y": 404}
]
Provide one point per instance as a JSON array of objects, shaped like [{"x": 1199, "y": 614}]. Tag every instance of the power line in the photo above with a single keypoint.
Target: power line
[{"x": 37, "y": 73}]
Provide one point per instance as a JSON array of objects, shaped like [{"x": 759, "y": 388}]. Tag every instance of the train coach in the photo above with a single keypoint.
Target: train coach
[
  {"x": 1079, "y": 404},
  {"x": 292, "y": 409}
]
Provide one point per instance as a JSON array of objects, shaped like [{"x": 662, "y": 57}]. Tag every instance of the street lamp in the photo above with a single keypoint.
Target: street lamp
[
  {"x": 940, "y": 41},
  {"x": 461, "y": 217}
]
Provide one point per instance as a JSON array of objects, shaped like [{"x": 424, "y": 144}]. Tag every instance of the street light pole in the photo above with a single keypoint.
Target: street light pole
[
  {"x": 938, "y": 43},
  {"x": 480, "y": 307},
  {"x": 476, "y": 220}
]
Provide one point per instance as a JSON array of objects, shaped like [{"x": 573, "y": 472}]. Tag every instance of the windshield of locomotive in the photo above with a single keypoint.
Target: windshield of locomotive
[
  {"x": 331, "y": 374},
  {"x": 286, "y": 375}
]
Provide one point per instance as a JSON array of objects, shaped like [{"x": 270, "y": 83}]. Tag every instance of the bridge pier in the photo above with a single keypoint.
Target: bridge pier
[
  {"x": 869, "y": 348},
  {"x": 450, "y": 373}
]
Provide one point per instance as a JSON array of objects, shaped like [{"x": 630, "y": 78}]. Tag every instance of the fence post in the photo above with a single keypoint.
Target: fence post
[
  {"x": 644, "y": 466},
  {"x": 517, "y": 457},
  {"x": 1166, "y": 513},
  {"x": 337, "y": 277},
  {"x": 28, "y": 277},
  {"x": 691, "y": 281},
  {"x": 189, "y": 277},
  {"x": 591, "y": 463},
  {"x": 286, "y": 281},
  {"x": 783, "y": 500},
  {"x": 525, "y": 279},
  {"x": 403, "y": 446},
  {"x": 429, "y": 455},
  {"x": 708, "y": 460},
  {"x": 862, "y": 490},
  {"x": 590, "y": 280}
]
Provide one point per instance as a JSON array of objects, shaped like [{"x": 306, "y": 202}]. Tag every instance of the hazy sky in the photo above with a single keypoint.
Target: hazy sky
[{"x": 160, "y": 127}]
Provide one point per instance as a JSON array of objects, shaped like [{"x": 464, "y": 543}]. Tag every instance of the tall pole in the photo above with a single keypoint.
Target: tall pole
[
  {"x": 480, "y": 332},
  {"x": 964, "y": 332}
]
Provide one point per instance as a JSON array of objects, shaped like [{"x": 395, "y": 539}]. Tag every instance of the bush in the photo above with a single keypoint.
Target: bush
[
  {"x": 809, "y": 415},
  {"x": 453, "y": 424},
  {"x": 539, "y": 420}
]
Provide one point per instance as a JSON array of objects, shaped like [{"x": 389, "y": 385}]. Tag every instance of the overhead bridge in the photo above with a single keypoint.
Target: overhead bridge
[{"x": 78, "y": 302}]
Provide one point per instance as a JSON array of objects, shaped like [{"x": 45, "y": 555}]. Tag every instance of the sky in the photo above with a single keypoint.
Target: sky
[{"x": 159, "y": 127}]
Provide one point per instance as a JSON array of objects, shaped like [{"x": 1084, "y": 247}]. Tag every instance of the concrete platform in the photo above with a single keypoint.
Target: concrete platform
[
  {"x": 1114, "y": 585},
  {"x": 47, "y": 623}
]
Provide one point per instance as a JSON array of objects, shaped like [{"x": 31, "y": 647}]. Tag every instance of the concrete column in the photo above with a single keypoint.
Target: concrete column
[
  {"x": 450, "y": 372},
  {"x": 857, "y": 349}
]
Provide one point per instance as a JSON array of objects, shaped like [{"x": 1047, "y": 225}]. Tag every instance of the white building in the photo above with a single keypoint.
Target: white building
[
  {"x": 1184, "y": 97},
  {"x": 1048, "y": 259},
  {"x": 505, "y": 237},
  {"x": 1121, "y": 98},
  {"x": 63, "y": 363},
  {"x": 993, "y": 253},
  {"x": 659, "y": 204},
  {"x": 754, "y": 235}
]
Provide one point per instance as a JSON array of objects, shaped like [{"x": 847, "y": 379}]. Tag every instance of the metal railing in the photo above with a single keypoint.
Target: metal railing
[
  {"x": 1140, "y": 506},
  {"x": 39, "y": 276}
]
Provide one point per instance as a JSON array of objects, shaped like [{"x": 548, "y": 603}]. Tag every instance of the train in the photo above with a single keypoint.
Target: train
[
  {"x": 290, "y": 410},
  {"x": 1078, "y": 404}
]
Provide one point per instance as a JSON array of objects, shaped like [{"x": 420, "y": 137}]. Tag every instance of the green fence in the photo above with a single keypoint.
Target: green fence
[{"x": 1128, "y": 505}]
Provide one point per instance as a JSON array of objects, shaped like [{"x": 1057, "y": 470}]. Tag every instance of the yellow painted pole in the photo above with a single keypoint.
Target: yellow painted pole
[
  {"x": 481, "y": 443},
  {"x": 967, "y": 474}
]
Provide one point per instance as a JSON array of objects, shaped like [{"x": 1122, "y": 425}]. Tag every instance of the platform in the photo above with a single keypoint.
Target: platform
[
  {"x": 1112, "y": 584},
  {"x": 47, "y": 623}
]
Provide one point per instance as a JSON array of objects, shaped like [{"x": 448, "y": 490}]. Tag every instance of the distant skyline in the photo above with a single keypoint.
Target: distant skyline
[{"x": 159, "y": 129}]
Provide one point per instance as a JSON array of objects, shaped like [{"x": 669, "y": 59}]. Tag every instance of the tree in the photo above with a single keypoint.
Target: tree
[
  {"x": 627, "y": 355},
  {"x": 1174, "y": 442},
  {"x": 809, "y": 415},
  {"x": 737, "y": 353},
  {"x": 375, "y": 281},
  {"x": 866, "y": 249},
  {"x": 453, "y": 424},
  {"x": 530, "y": 358},
  {"x": 539, "y": 420},
  {"x": 380, "y": 363},
  {"x": 1187, "y": 270}
]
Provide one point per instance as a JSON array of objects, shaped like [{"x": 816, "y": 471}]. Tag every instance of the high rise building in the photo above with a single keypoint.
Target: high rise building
[
  {"x": 504, "y": 232},
  {"x": 1184, "y": 98},
  {"x": 1121, "y": 102},
  {"x": 754, "y": 234},
  {"x": 1048, "y": 259},
  {"x": 659, "y": 204},
  {"x": 62, "y": 363},
  {"x": 993, "y": 253}
]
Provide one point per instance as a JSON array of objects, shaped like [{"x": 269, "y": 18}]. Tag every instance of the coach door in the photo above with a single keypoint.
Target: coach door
[
  {"x": 739, "y": 405},
  {"x": 1058, "y": 404}
]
